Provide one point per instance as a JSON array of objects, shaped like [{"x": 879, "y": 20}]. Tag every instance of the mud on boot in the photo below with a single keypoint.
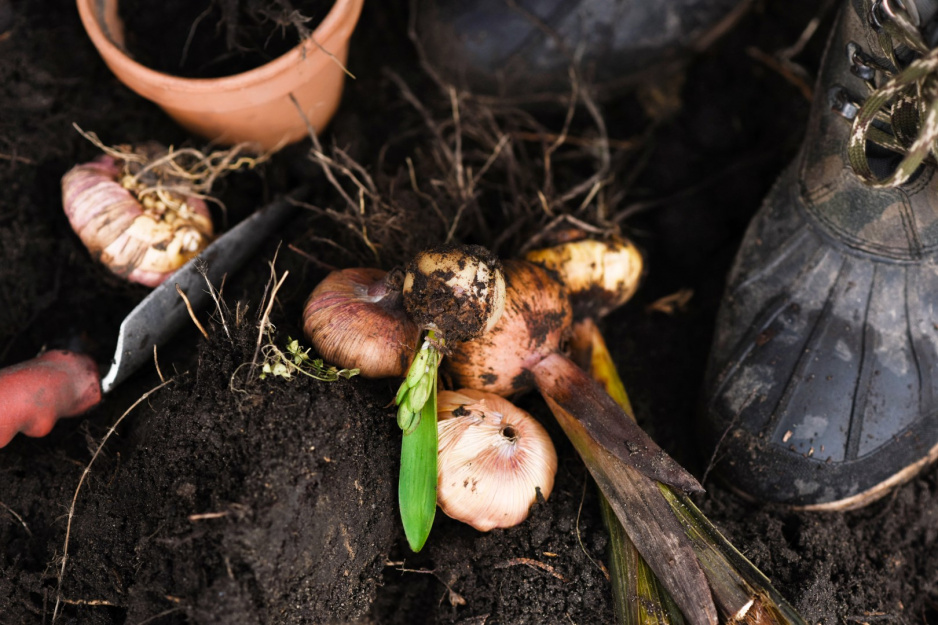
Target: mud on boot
[{"x": 822, "y": 386}]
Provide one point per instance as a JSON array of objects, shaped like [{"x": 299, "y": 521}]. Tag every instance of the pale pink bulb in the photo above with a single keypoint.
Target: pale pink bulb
[
  {"x": 493, "y": 459},
  {"x": 143, "y": 239}
]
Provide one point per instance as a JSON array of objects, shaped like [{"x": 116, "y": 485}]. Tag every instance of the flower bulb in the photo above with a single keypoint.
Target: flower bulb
[{"x": 493, "y": 459}]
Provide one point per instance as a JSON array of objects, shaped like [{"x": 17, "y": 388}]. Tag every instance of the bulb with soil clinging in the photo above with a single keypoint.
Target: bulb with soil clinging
[
  {"x": 140, "y": 233},
  {"x": 493, "y": 458},
  {"x": 456, "y": 290},
  {"x": 536, "y": 319},
  {"x": 354, "y": 319},
  {"x": 599, "y": 275}
]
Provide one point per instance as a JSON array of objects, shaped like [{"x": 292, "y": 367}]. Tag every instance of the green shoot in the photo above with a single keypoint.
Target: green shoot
[{"x": 416, "y": 416}]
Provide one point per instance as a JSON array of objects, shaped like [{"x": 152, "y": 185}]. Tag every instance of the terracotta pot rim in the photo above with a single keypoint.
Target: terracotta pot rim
[{"x": 336, "y": 23}]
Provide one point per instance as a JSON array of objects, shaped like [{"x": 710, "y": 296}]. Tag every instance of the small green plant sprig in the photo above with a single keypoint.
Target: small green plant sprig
[{"x": 296, "y": 359}]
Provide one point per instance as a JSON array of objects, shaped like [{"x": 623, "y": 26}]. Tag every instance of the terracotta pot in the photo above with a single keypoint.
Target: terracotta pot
[{"x": 251, "y": 106}]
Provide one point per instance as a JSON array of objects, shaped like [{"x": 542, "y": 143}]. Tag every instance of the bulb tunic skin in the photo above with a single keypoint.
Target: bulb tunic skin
[
  {"x": 355, "y": 319},
  {"x": 537, "y": 318},
  {"x": 142, "y": 239},
  {"x": 493, "y": 458}
]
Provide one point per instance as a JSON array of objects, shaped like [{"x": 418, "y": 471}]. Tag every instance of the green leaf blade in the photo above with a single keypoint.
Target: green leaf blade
[{"x": 417, "y": 485}]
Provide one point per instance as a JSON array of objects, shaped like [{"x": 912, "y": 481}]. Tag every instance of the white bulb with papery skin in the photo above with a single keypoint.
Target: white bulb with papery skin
[{"x": 493, "y": 458}]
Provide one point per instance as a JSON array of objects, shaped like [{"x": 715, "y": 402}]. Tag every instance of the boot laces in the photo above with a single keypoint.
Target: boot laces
[{"x": 905, "y": 105}]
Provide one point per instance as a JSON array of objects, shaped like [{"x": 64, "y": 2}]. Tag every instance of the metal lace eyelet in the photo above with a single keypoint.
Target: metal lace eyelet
[
  {"x": 861, "y": 64},
  {"x": 897, "y": 10},
  {"x": 842, "y": 103},
  {"x": 877, "y": 16}
]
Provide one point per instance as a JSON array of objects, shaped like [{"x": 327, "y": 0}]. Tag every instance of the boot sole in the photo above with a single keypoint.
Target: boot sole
[{"x": 859, "y": 500}]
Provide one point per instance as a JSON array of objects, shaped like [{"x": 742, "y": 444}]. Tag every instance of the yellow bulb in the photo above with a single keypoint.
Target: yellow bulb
[{"x": 599, "y": 275}]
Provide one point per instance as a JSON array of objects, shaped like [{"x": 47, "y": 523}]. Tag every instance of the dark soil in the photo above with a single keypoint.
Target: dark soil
[
  {"x": 213, "y": 38},
  {"x": 223, "y": 498}
]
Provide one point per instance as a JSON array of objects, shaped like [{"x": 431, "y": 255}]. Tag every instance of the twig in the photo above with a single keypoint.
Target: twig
[
  {"x": 723, "y": 26},
  {"x": 583, "y": 142},
  {"x": 545, "y": 203},
  {"x": 17, "y": 159},
  {"x": 192, "y": 312},
  {"x": 325, "y": 162},
  {"x": 310, "y": 258},
  {"x": 605, "y": 157},
  {"x": 536, "y": 240},
  {"x": 593, "y": 192},
  {"x": 424, "y": 113},
  {"x": 559, "y": 141},
  {"x": 84, "y": 474},
  {"x": 16, "y": 516},
  {"x": 216, "y": 296},
  {"x": 502, "y": 142},
  {"x": 783, "y": 69},
  {"x": 365, "y": 184},
  {"x": 535, "y": 564},
  {"x": 156, "y": 363},
  {"x": 160, "y": 615},
  {"x": 334, "y": 58},
  {"x": 207, "y": 515},
  {"x": 364, "y": 233},
  {"x": 425, "y": 196},
  {"x": 189, "y": 37},
  {"x": 269, "y": 283},
  {"x": 103, "y": 602},
  {"x": 454, "y": 597},
  {"x": 795, "y": 49},
  {"x": 457, "y": 149},
  {"x": 670, "y": 304},
  {"x": 716, "y": 450},
  {"x": 579, "y": 539},
  {"x": 265, "y": 319},
  {"x": 221, "y": 288},
  {"x": 350, "y": 167}
]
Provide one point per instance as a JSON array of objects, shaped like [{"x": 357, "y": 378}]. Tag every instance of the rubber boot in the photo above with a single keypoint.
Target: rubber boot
[
  {"x": 822, "y": 387},
  {"x": 525, "y": 47}
]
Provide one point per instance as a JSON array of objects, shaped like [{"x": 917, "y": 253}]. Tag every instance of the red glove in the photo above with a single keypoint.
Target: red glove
[{"x": 37, "y": 393}]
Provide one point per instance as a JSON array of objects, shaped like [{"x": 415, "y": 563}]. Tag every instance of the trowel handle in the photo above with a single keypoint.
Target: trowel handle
[{"x": 37, "y": 393}]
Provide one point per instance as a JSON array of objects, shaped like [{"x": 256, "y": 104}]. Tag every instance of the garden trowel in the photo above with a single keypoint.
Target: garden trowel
[{"x": 60, "y": 383}]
